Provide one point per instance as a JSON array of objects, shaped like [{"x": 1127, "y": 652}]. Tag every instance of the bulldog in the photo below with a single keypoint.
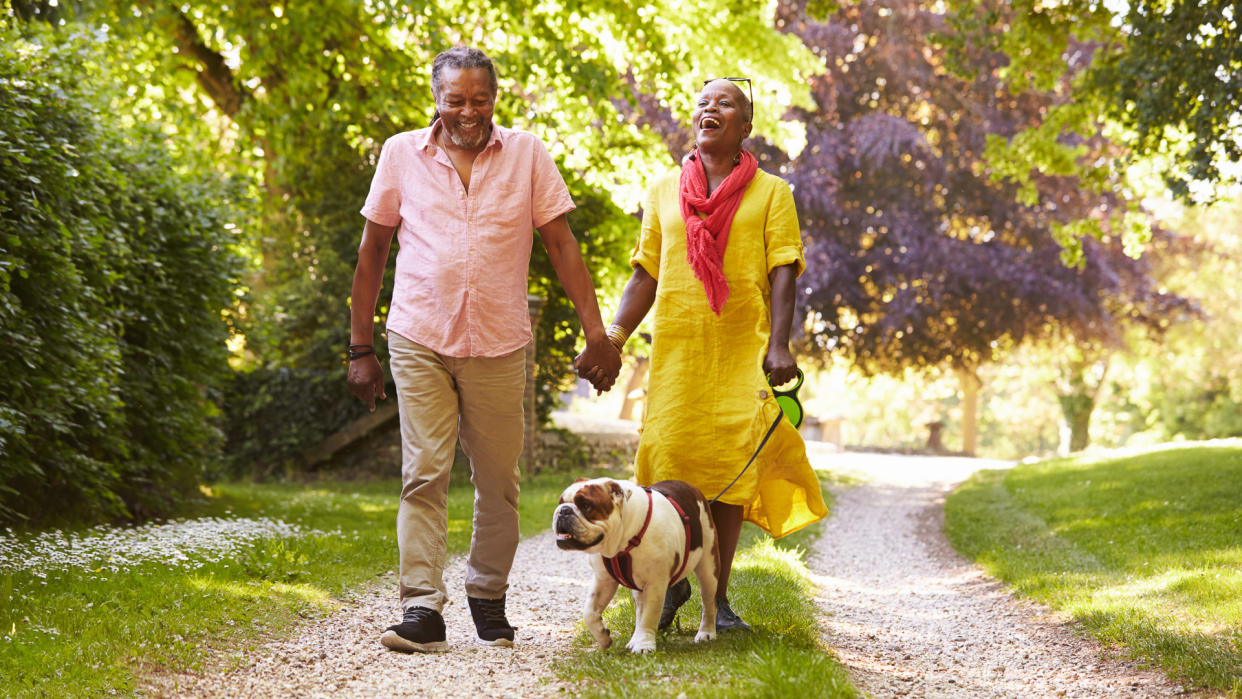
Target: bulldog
[{"x": 643, "y": 538}]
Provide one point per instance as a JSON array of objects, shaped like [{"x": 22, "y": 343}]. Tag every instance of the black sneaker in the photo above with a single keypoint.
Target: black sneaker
[
  {"x": 490, "y": 622},
  {"x": 676, "y": 596},
  {"x": 727, "y": 619},
  {"x": 421, "y": 629}
]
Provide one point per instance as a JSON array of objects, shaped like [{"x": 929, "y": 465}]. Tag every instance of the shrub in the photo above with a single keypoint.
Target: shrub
[{"x": 115, "y": 267}]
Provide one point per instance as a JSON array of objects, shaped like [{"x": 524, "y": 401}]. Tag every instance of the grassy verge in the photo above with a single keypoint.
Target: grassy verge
[
  {"x": 90, "y": 625},
  {"x": 1144, "y": 550},
  {"x": 771, "y": 589}
]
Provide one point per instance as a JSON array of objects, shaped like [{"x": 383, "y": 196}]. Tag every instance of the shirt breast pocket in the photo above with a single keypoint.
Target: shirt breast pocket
[{"x": 504, "y": 206}]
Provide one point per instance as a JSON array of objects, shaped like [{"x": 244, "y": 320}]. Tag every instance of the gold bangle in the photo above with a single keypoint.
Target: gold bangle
[{"x": 617, "y": 335}]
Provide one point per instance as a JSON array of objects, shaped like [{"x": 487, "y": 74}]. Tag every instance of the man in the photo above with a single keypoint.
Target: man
[{"x": 463, "y": 196}]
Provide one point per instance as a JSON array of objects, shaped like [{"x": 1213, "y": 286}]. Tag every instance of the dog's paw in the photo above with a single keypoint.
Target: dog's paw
[
  {"x": 604, "y": 639},
  {"x": 703, "y": 637},
  {"x": 641, "y": 645}
]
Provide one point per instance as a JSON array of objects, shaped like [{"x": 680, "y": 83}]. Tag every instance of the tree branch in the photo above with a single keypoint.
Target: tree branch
[{"x": 213, "y": 74}]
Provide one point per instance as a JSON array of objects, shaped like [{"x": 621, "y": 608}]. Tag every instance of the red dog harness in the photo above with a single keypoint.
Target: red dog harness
[{"x": 621, "y": 568}]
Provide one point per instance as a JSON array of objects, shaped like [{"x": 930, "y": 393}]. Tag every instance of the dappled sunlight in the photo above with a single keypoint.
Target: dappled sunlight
[
  {"x": 1203, "y": 600},
  {"x": 255, "y": 590},
  {"x": 1100, "y": 456}
]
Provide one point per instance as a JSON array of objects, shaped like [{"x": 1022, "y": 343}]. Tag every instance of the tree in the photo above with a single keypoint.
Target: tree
[
  {"x": 1162, "y": 77},
  {"x": 306, "y": 95},
  {"x": 916, "y": 257}
]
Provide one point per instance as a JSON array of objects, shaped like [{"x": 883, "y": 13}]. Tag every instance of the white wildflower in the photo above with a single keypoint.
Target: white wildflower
[{"x": 187, "y": 543}]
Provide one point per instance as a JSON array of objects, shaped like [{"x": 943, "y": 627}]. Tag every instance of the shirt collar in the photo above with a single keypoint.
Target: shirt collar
[{"x": 426, "y": 138}]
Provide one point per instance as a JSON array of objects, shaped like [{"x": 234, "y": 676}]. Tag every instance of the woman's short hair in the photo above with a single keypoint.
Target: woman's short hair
[{"x": 461, "y": 58}]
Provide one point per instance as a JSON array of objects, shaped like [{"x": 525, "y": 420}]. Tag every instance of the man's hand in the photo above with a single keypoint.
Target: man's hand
[
  {"x": 366, "y": 380},
  {"x": 779, "y": 365},
  {"x": 599, "y": 363}
]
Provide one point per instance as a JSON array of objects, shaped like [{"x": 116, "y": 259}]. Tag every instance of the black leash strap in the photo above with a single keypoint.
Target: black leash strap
[{"x": 780, "y": 415}]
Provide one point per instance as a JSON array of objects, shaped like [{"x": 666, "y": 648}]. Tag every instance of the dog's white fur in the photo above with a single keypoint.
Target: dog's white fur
[{"x": 600, "y": 516}]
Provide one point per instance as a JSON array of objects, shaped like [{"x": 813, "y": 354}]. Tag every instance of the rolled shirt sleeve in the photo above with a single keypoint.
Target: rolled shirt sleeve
[
  {"x": 549, "y": 194},
  {"x": 383, "y": 204},
  {"x": 647, "y": 252},
  {"x": 782, "y": 237}
]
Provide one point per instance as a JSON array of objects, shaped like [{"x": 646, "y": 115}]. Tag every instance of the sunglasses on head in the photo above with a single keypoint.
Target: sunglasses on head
[{"x": 749, "y": 94}]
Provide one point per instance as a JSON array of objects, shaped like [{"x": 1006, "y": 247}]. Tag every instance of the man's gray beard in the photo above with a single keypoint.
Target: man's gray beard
[{"x": 464, "y": 143}]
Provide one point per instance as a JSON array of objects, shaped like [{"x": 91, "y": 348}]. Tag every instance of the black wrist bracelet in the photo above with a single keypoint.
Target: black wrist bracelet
[{"x": 359, "y": 354}]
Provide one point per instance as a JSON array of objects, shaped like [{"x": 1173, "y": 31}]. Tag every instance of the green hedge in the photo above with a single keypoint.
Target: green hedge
[{"x": 115, "y": 269}]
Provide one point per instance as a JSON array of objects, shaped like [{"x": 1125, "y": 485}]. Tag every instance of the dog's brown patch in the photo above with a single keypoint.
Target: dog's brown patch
[
  {"x": 690, "y": 500},
  {"x": 595, "y": 502}
]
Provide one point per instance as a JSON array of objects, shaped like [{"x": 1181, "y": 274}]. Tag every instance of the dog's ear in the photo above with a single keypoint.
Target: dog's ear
[{"x": 616, "y": 491}]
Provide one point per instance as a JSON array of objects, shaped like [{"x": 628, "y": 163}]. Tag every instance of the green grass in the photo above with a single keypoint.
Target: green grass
[
  {"x": 1144, "y": 550},
  {"x": 771, "y": 589},
  {"x": 81, "y": 632}
]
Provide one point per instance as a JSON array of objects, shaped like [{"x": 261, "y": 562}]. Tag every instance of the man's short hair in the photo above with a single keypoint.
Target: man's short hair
[{"x": 461, "y": 58}]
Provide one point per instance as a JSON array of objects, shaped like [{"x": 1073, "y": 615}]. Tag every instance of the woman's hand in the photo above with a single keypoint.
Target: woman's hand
[
  {"x": 599, "y": 363},
  {"x": 779, "y": 365}
]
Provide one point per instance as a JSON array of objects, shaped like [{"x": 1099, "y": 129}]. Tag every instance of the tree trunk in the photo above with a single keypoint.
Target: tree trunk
[
  {"x": 971, "y": 384},
  {"x": 1081, "y": 378},
  {"x": 1077, "y": 410},
  {"x": 633, "y": 388}
]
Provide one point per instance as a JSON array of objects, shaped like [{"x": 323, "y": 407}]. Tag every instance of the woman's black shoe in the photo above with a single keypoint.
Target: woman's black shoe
[
  {"x": 727, "y": 619},
  {"x": 676, "y": 596}
]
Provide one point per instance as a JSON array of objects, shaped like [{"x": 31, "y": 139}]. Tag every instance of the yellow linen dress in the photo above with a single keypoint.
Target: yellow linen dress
[{"x": 709, "y": 404}]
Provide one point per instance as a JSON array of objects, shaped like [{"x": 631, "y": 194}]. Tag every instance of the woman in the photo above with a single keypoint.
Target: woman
[{"x": 717, "y": 256}]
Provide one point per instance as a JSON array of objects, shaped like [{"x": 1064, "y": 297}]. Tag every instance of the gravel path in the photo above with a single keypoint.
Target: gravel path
[
  {"x": 903, "y": 612},
  {"x": 341, "y": 656},
  {"x": 908, "y": 616}
]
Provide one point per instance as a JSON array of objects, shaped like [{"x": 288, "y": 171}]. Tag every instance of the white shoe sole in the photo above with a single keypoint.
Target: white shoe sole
[
  {"x": 390, "y": 639},
  {"x": 500, "y": 642}
]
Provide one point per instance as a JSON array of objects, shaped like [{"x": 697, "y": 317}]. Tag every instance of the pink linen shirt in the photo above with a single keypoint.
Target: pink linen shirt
[{"x": 463, "y": 260}]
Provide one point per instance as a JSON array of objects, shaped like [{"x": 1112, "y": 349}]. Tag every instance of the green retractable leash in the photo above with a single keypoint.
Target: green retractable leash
[
  {"x": 788, "y": 400},
  {"x": 791, "y": 408}
]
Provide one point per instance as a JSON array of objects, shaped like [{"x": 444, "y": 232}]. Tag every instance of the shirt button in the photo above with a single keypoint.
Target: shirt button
[{"x": 763, "y": 395}]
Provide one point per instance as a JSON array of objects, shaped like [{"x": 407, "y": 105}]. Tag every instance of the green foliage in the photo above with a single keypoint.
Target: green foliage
[
  {"x": 1159, "y": 79},
  {"x": 1173, "y": 84},
  {"x": 274, "y": 413},
  {"x": 605, "y": 236},
  {"x": 115, "y": 268},
  {"x": 1143, "y": 549},
  {"x": 1189, "y": 386}
]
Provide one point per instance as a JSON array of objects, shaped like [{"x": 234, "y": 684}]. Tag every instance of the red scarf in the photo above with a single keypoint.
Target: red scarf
[{"x": 706, "y": 238}]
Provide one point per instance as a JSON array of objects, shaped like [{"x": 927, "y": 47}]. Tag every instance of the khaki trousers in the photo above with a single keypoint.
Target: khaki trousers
[{"x": 442, "y": 399}]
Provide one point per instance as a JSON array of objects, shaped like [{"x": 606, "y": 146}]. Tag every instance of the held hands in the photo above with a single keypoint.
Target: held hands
[
  {"x": 779, "y": 365},
  {"x": 599, "y": 363},
  {"x": 366, "y": 380}
]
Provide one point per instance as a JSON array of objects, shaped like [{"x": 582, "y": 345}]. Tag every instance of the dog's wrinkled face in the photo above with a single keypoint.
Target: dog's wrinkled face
[{"x": 586, "y": 512}]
